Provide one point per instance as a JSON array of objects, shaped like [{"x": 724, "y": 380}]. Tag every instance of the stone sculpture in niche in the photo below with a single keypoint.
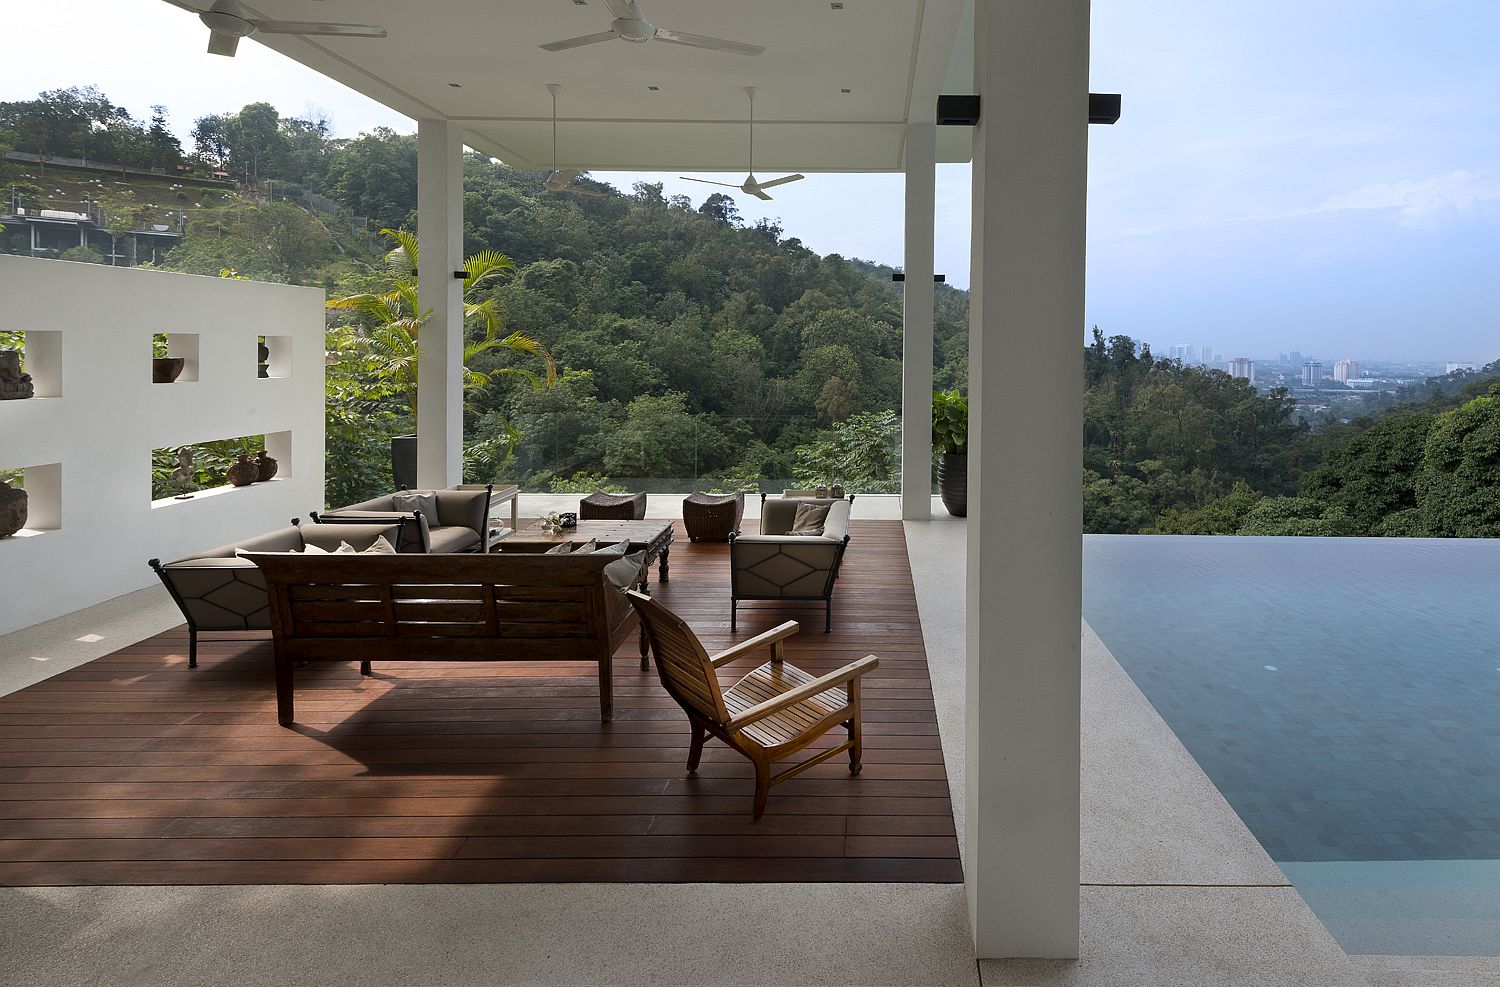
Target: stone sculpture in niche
[
  {"x": 266, "y": 465},
  {"x": 14, "y": 385},
  {"x": 12, "y": 510},
  {"x": 184, "y": 475},
  {"x": 244, "y": 472}
]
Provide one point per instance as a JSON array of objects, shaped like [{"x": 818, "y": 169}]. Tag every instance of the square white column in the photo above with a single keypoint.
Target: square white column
[
  {"x": 1025, "y": 572},
  {"x": 440, "y": 344},
  {"x": 916, "y": 323}
]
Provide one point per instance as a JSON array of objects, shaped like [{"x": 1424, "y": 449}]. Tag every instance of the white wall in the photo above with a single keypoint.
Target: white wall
[{"x": 102, "y": 526}]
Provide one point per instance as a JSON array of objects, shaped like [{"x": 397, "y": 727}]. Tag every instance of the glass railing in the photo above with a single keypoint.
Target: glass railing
[{"x": 570, "y": 452}]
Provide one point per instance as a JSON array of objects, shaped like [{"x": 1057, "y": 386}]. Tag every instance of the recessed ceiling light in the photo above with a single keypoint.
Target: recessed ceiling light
[
  {"x": 455, "y": 85},
  {"x": 832, "y": 6},
  {"x": 655, "y": 89},
  {"x": 846, "y": 91},
  {"x": 580, "y": 3}
]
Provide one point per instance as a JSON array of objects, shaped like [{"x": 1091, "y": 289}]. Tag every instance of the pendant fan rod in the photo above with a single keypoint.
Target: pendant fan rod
[
  {"x": 554, "y": 89},
  {"x": 750, "y": 91}
]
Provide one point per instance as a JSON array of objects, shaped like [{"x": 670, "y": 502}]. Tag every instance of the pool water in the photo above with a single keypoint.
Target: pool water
[{"x": 1344, "y": 696}]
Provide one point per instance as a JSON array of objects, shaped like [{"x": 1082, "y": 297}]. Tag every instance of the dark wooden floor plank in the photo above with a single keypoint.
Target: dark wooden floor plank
[{"x": 134, "y": 770}]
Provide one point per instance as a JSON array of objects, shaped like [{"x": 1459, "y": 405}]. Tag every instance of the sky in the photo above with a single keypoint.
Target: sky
[{"x": 1286, "y": 176}]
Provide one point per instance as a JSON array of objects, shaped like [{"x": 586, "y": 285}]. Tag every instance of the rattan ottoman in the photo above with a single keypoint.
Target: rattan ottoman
[
  {"x": 712, "y": 517},
  {"x": 612, "y": 507}
]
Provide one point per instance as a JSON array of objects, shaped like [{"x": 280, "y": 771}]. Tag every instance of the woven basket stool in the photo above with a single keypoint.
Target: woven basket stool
[
  {"x": 712, "y": 517},
  {"x": 612, "y": 507}
]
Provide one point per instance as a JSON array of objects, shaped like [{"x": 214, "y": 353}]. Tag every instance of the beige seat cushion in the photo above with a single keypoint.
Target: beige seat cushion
[{"x": 446, "y": 541}]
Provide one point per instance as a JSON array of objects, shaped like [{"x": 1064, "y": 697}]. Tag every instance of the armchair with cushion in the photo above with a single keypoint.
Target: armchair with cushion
[
  {"x": 792, "y": 558},
  {"x": 220, "y": 590},
  {"x": 437, "y": 522}
]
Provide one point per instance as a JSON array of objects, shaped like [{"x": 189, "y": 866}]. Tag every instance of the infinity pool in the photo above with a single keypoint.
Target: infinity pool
[{"x": 1344, "y": 695}]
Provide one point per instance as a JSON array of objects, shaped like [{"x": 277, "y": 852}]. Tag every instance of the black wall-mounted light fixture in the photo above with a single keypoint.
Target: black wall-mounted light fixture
[
  {"x": 1104, "y": 107},
  {"x": 963, "y": 111},
  {"x": 958, "y": 111}
]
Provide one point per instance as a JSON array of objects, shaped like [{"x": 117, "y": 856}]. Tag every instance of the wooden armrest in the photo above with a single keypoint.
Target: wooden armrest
[
  {"x": 849, "y": 672},
  {"x": 773, "y": 636}
]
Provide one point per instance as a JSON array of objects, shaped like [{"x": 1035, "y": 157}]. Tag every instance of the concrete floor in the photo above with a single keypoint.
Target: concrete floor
[{"x": 1175, "y": 890}]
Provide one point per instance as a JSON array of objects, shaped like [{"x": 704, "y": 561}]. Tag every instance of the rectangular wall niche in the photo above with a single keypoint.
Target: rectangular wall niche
[
  {"x": 273, "y": 356},
  {"x": 41, "y": 357},
  {"x": 176, "y": 479},
  {"x": 174, "y": 346},
  {"x": 43, "y": 486}
]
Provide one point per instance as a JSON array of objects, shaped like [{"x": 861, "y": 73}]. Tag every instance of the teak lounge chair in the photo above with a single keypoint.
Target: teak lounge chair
[{"x": 771, "y": 713}]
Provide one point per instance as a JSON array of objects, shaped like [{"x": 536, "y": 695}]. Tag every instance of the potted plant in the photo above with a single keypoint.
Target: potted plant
[{"x": 950, "y": 440}]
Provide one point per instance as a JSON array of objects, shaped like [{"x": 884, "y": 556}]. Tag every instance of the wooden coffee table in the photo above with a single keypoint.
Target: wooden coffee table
[{"x": 654, "y": 537}]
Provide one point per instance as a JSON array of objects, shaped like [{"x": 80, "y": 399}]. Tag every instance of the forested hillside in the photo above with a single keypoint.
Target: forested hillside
[{"x": 695, "y": 350}]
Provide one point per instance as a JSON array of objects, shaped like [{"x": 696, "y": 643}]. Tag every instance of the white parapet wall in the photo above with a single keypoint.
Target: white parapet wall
[{"x": 85, "y": 441}]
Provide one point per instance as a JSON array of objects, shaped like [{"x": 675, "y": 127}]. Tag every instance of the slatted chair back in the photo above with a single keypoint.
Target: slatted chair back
[{"x": 685, "y": 670}]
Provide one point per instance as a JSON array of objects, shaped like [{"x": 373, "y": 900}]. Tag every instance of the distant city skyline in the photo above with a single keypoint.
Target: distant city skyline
[{"x": 1282, "y": 170}]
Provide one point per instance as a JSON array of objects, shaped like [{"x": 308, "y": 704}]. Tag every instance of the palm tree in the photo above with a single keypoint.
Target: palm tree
[{"x": 394, "y": 319}]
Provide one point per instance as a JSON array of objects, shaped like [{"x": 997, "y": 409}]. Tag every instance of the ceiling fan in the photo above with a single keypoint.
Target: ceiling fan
[
  {"x": 630, "y": 24},
  {"x": 558, "y": 181},
  {"x": 228, "y": 21},
  {"x": 752, "y": 185}
]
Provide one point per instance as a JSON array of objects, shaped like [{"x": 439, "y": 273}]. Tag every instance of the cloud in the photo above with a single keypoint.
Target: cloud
[{"x": 1420, "y": 203}]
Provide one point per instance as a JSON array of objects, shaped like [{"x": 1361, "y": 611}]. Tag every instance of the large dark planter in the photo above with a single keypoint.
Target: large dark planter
[
  {"x": 404, "y": 461},
  {"x": 953, "y": 482}
]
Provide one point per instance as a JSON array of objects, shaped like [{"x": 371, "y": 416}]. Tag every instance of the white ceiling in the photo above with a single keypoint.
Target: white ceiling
[{"x": 894, "y": 56}]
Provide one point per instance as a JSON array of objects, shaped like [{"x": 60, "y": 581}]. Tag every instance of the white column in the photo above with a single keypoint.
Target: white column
[
  {"x": 440, "y": 358},
  {"x": 1025, "y": 568},
  {"x": 916, "y": 355}
]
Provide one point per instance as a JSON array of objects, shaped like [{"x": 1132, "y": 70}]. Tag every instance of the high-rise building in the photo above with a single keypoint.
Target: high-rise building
[
  {"x": 1455, "y": 367},
  {"x": 1181, "y": 351},
  {"x": 1345, "y": 370},
  {"x": 1206, "y": 355},
  {"x": 1294, "y": 357},
  {"x": 1312, "y": 373},
  {"x": 1242, "y": 367}
]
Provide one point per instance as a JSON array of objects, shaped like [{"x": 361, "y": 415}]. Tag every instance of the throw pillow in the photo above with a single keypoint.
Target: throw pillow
[
  {"x": 425, "y": 502},
  {"x": 565, "y": 548},
  {"x": 380, "y": 547},
  {"x": 618, "y": 548},
  {"x": 306, "y": 550},
  {"x": 625, "y": 572},
  {"x": 809, "y": 519},
  {"x": 345, "y": 549}
]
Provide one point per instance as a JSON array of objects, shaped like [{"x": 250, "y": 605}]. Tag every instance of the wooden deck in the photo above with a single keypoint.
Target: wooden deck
[{"x": 134, "y": 770}]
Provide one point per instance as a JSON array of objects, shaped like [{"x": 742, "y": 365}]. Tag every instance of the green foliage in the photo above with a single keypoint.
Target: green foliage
[
  {"x": 862, "y": 453},
  {"x": 1297, "y": 516},
  {"x": 1161, "y": 440},
  {"x": 1374, "y": 474},
  {"x": 583, "y": 483},
  {"x": 81, "y": 122},
  {"x": 1222, "y": 516},
  {"x": 392, "y": 318},
  {"x": 1458, "y": 490},
  {"x": 82, "y": 255},
  {"x": 950, "y": 422}
]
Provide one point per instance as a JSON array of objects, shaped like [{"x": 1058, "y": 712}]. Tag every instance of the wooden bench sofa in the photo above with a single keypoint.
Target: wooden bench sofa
[{"x": 369, "y": 608}]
